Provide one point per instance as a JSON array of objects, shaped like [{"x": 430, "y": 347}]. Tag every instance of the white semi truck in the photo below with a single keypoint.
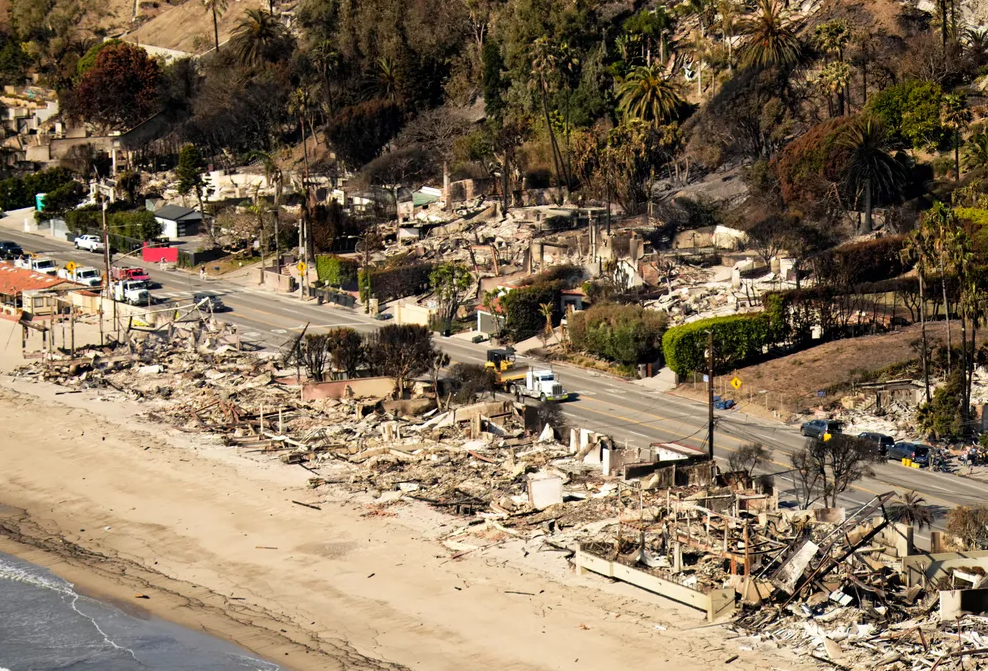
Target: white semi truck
[
  {"x": 39, "y": 264},
  {"x": 540, "y": 383},
  {"x": 131, "y": 291},
  {"x": 88, "y": 276}
]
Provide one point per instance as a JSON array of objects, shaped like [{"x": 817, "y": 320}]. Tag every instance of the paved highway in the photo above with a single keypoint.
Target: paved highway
[{"x": 626, "y": 411}]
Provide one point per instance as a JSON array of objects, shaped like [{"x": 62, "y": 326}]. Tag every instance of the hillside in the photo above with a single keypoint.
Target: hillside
[
  {"x": 188, "y": 27},
  {"x": 793, "y": 381}
]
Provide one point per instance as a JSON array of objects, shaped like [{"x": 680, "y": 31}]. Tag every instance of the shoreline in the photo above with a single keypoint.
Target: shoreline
[
  {"x": 117, "y": 588},
  {"x": 119, "y": 507}
]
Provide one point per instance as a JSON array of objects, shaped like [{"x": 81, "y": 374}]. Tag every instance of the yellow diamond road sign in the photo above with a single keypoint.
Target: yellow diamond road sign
[
  {"x": 301, "y": 266},
  {"x": 736, "y": 383},
  {"x": 70, "y": 266}
]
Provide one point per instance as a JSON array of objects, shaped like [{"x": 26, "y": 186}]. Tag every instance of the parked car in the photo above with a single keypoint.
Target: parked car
[
  {"x": 210, "y": 303},
  {"x": 882, "y": 441},
  {"x": 90, "y": 242},
  {"x": 815, "y": 428},
  {"x": 918, "y": 453},
  {"x": 10, "y": 250}
]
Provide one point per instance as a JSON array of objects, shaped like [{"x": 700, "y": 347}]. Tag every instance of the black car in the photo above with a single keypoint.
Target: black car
[
  {"x": 918, "y": 453},
  {"x": 882, "y": 441},
  {"x": 815, "y": 428},
  {"x": 208, "y": 302},
  {"x": 10, "y": 250}
]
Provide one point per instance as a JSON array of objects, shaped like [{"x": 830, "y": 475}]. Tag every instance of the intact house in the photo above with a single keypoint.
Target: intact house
[
  {"x": 32, "y": 292},
  {"x": 178, "y": 222}
]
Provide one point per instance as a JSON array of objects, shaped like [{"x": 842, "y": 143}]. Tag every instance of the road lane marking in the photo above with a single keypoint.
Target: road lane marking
[{"x": 719, "y": 444}]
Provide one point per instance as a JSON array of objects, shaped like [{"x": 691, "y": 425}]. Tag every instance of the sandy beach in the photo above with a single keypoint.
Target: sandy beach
[{"x": 123, "y": 508}]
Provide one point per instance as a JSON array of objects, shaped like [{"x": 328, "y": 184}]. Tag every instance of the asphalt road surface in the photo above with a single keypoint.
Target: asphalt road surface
[{"x": 627, "y": 412}]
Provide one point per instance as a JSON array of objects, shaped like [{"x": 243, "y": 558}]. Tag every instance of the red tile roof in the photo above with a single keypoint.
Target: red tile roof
[{"x": 14, "y": 280}]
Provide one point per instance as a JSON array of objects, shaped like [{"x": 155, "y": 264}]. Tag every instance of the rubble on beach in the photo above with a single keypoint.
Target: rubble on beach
[{"x": 844, "y": 587}]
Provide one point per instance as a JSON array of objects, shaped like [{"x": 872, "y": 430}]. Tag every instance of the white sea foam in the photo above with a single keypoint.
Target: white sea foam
[
  {"x": 21, "y": 574},
  {"x": 24, "y": 574}
]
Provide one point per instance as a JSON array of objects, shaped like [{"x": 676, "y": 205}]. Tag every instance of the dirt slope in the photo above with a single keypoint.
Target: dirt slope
[{"x": 189, "y": 27}]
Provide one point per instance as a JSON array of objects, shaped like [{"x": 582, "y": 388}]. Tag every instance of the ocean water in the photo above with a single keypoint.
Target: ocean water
[{"x": 46, "y": 626}]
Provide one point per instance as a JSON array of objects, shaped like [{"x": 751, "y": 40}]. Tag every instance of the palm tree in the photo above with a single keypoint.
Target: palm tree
[
  {"x": 911, "y": 508},
  {"x": 646, "y": 26},
  {"x": 258, "y": 37},
  {"x": 647, "y": 95},
  {"x": 387, "y": 80},
  {"x": 272, "y": 172},
  {"x": 977, "y": 43},
  {"x": 728, "y": 26},
  {"x": 833, "y": 79},
  {"x": 274, "y": 176},
  {"x": 870, "y": 168},
  {"x": 547, "y": 58},
  {"x": 216, "y": 8},
  {"x": 976, "y": 151},
  {"x": 955, "y": 115},
  {"x": 770, "y": 40},
  {"x": 702, "y": 50},
  {"x": 326, "y": 60},
  {"x": 918, "y": 249},
  {"x": 702, "y": 10},
  {"x": 940, "y": 224},
  {"x": 546, "y": 310},
  {"x": 832, "y": 38}
]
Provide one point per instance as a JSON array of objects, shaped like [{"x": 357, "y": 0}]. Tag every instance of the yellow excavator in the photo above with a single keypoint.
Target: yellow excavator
[{"x": 500, "y": 359}]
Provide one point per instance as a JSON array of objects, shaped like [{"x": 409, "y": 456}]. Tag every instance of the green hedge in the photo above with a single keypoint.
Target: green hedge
[
  {"x": 627, "y": 334},
  {"x": 138, "y": 224},
  {"x": 18, "y": 192},
  {"x": 522, "y": 307},
  {"x": 738, "y": 339},
  {"x": 409, "y": 280},
  {"x": 335, "y": 270}
]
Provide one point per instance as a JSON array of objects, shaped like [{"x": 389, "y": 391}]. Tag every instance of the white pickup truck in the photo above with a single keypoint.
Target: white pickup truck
[
  {"x": 93, "y": 243},
  {"x": 88, "y": 276},
  {"x": 38, "y": 264},
  {"x": 131, "y": 291}
]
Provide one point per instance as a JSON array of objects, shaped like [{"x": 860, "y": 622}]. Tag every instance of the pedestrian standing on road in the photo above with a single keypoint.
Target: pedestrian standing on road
[{"x": 202, "y": 272}]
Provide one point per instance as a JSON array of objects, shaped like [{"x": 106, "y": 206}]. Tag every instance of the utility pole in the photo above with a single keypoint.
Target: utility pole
[
  {"x": 260, "y": 228},
  {"x": 310, "y": 202},
  {"x": 367, "y": 271},
  {"x": 710, "y": 394},
  {"x": 106, "y": 264},
  {"x": 302, "y": 254},
  {"x": 277, "y": 236}
]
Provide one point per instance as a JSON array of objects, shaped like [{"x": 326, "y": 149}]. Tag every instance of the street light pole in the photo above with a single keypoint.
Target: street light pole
[{"x": 710, "y": 394}]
